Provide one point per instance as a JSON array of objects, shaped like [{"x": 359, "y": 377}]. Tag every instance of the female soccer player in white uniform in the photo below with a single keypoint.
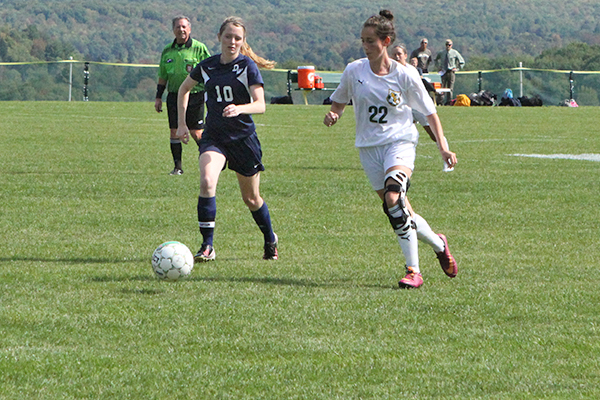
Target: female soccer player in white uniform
[
  {"x": 234, "y": 90},
  {"x": 383, "y": 93}
]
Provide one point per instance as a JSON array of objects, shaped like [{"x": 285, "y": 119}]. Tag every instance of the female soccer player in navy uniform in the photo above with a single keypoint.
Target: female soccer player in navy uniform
[
  {"x": 384, "y": 93},
  {"x": 234, "y": 90}
]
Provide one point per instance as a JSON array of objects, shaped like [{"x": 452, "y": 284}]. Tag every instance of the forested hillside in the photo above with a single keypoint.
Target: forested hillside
[
  {"x": 490, "y": 34},
  {"x": 323, "y": 33}
]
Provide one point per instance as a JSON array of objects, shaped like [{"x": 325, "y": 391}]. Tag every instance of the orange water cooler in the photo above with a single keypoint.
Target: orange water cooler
[{"x": 306, "y": 77}]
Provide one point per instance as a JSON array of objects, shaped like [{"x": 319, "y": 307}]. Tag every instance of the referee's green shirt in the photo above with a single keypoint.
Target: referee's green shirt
[{"x": 177, "y": 61}]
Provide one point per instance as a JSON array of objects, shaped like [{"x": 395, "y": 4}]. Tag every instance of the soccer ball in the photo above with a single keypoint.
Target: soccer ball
[{"x": 172, "y": 261}]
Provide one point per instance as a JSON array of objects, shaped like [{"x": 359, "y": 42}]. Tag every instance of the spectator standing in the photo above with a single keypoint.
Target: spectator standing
[
  {"x": 423, "y": 54},
  {"x": 176, "y": 62},
  {"x": 448, "y": 62}
]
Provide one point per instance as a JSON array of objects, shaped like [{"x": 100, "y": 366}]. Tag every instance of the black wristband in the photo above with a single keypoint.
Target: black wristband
[{"x": 160, "y": 89}]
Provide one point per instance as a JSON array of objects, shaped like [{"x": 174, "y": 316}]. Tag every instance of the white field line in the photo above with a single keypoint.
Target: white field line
[{"x": 583, "y": 157}]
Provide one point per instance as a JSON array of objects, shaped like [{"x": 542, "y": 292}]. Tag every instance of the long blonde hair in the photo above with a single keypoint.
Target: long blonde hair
[{"x": 246, "y": 49}]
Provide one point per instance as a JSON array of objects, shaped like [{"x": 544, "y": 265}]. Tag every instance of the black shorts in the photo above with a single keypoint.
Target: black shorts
[
  {"x": 243, "y": 156},
  {"x": 194, "y": 117}
]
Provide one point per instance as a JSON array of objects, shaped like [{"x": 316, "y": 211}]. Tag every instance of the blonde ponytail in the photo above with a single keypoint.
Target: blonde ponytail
[{"x": 260, "y": 61}]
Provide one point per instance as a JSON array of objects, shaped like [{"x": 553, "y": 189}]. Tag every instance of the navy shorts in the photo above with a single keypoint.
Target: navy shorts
[
  {"x": 194, "y": 116},
  {"x": 243, "y": 156}
]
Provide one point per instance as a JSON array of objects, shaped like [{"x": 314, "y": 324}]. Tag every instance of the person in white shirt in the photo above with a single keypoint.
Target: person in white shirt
[{"x": 383, "y": 93}]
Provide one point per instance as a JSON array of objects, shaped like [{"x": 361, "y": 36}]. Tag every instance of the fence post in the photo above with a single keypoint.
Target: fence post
[
  {"x": 86, "y": 79},
  {"x": 521, "y": 79},
  {"x": 70, "y": 77},
  {"x": 571, "y": 85},
  {"x": 479, "y": 79}
]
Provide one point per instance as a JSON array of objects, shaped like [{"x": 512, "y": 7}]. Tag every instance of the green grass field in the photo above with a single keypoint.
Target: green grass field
[{"x": 86, "y": 198}]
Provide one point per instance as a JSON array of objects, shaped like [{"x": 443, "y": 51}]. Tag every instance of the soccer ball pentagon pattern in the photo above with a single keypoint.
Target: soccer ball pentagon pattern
[{"x": 172, "y": 261}]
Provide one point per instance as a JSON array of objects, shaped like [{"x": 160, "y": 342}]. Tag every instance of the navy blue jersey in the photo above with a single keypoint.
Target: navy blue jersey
[{"x": 226, "y": 84}]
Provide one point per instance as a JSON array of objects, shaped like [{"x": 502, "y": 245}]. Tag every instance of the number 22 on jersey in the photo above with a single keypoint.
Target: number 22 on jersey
[{"x": 377, "y": 115}]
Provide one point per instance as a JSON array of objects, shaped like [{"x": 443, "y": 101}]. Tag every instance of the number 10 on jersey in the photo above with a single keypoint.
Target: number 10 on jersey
[{"x": 226, "y": 94}]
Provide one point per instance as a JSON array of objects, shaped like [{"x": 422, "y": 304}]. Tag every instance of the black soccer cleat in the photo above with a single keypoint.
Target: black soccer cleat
[
  {"x": 206, "y": 253},
  {"x": 271, "y": 250}
]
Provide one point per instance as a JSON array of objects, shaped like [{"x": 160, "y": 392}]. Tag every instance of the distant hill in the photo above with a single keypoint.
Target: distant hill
[{"x": 293, "y": 33}]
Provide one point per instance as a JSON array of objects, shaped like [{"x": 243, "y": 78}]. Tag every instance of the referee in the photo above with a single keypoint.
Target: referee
[{"x": 176, "y": 62}]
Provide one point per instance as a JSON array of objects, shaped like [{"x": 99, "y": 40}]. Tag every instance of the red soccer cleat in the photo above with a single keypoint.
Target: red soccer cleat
[
  {"x": 447, "y": 261},
  {"x": 411, "y": 280}
]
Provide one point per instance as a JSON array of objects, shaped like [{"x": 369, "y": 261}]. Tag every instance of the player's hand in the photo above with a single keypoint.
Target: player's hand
[
  {"x": 449, "y": 158},
  {"x": 158, "y": 105},
  {"x": 231, "y": 111},
  {"x": 331, "y": 118},
  {"x": 183, "y": 133}
]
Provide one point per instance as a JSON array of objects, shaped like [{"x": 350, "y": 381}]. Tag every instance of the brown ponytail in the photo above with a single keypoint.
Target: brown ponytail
[{"x": 383, "y": 25}]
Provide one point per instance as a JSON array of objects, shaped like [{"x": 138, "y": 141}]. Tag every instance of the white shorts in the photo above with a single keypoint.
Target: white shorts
[
  {"x": 378, "y": 159},
  {"x": 420, "y": 118}
]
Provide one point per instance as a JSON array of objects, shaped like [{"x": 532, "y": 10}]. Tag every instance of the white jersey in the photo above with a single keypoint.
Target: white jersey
[{"x": 383, "y": 104}]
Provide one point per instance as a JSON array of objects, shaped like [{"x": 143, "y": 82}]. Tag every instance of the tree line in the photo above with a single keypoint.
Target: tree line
[
  {"x": 491, "y": 35},
  {"x": 313, "y": 32}
]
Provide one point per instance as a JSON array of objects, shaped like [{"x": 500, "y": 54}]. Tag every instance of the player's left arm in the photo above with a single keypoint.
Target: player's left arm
[
  {"x": 257, "y": 106},
  {"x": 436, "y": 127}
]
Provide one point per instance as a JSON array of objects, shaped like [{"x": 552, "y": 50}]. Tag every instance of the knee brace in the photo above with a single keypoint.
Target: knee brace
[
  {"x": 401, "y": 178},
  {"x": 402, "y": 223},
  {"x": 401, "y": 185},
  {"x": 399, "y": 216}
]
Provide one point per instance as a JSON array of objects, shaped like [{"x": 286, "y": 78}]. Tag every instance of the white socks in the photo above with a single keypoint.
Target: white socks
[
  {"x": 410, "y": 249},
  {"x": 427, "y": 235}
]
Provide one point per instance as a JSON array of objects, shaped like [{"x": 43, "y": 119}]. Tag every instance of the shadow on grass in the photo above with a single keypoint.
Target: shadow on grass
[
  {"x": 290, "y": 282},
  {"x": 137, "y": 278},
  {"x": 142, "y": 291},
  {"x": 220, "y": 279},
  {"x": 258, "y": 280},
  {"x": 128, "y": 172},
  {"x": 75, "y": 260}
]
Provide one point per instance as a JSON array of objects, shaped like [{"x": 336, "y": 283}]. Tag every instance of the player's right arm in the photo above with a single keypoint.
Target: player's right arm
[
  {"x": 183, "y": 96},
  {"x": 335, "y": 112},
  {"x": 343, "y": 94}
]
